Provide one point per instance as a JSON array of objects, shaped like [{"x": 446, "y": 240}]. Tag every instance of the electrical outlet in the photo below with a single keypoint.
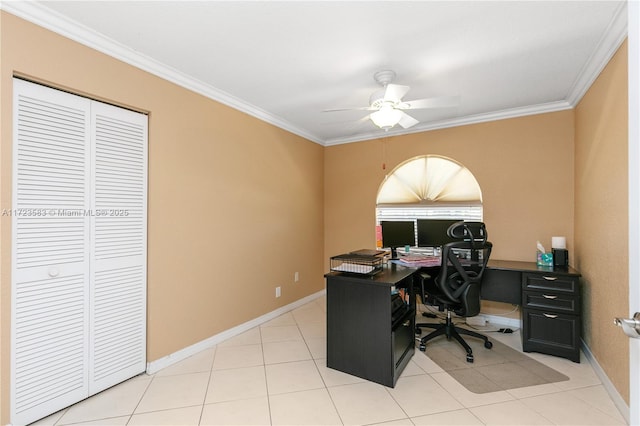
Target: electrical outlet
[
  {"x": 296, "y": 277},
  {"x": 278, "y": 292}
]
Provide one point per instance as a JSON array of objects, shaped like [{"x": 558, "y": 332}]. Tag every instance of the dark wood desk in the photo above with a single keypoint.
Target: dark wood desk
[
  {"x": 368, "y": 338},
  {"x": 370, "y": 332},
  {"x": 503, "y": 279},
  {"x": 550, "y": 299},
  {"x": 551, "y": 304}
]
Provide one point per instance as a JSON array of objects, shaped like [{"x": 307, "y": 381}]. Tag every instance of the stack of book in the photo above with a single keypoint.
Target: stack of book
[{"x": 420, "y": 260}]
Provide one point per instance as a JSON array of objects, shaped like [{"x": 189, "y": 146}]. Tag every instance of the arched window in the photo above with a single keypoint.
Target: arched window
[{"x": 429, "y": 187}]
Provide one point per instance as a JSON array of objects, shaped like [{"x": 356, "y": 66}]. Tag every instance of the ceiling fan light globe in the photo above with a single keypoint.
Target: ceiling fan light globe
[{"x": 386, "y": 117}]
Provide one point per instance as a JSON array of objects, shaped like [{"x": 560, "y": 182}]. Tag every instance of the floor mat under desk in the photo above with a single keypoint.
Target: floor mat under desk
[{"x": 495, "y": 369}]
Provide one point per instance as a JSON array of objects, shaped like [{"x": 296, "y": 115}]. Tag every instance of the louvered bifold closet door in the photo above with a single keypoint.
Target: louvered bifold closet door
[
  {"x": 78, "y": 322},
  {"x": 118, "y": 273},
  {"x": 50, "y": 260}
]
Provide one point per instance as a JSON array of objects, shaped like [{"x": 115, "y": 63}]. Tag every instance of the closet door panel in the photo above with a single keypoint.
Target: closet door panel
[
  {"x": 50, "y": 263},
  {"x": 119, "y": 248}
]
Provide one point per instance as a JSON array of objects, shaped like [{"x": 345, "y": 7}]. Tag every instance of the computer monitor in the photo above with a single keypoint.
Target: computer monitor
[
  {"x": 433, "y": 232},
  {"x": 397, "y": 234}
]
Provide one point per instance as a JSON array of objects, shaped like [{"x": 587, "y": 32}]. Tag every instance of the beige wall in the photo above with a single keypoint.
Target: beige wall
[
  {"x": 524, "y": 167},
  {"x": 235, "y": 204},
  {"x": 601, "y": 228},
  {"x": 213, "y": 169}
]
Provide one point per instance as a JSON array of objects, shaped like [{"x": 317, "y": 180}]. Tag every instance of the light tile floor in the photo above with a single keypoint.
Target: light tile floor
[{"x": 276, "y": 374}]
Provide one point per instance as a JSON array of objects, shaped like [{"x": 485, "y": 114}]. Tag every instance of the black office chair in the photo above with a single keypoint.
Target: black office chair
[{"x": 457, "y": 286}]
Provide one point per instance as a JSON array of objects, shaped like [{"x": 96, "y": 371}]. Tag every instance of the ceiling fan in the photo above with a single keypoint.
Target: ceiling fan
[{"x": 389, "y": 107}]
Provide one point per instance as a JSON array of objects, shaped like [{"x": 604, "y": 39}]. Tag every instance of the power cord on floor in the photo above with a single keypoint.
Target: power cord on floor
[
  {"x": 429, "y": 311},
  {"x": 503, "y": 314},
  {"x": 484, "y": 330}
]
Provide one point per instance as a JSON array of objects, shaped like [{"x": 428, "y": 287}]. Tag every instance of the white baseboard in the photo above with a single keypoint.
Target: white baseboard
[
  {"x": 159, "y": 364},
  {"x": 609, "y": 387},
  {"x": 500, "y": 320}
]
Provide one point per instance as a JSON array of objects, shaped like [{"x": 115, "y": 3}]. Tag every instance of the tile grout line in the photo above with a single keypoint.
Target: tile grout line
[
  {"x": 266, "y": 379},
  {"x": 206, "y": 391},
  {"x": 153, "y": 376},
  {"x": 326, "y": 388}
]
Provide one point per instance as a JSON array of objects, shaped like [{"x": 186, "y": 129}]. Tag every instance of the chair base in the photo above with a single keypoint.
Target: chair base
[{"x": 450, "y": 330}]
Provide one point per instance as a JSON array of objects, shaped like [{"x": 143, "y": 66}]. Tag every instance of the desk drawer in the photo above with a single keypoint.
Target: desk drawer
[
  {"x": 550, "y": 282},
  {"x": 551, "y": 301},
  {"x": 553, "y": 334}
]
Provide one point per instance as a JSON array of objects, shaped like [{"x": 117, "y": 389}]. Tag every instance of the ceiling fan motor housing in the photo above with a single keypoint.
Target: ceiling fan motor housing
[
  {"x": 384, "y": 77},
  {"x": 377, "y": 98}
]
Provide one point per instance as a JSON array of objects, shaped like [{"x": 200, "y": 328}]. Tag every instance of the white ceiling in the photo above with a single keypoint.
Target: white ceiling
[{"x": 287, "y": 62}]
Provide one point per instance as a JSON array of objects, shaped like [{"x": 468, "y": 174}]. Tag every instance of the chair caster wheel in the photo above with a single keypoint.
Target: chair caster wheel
[
  {"x": 418, "y": 330},
  {"x": 488, "y": 344},
  {"x": 470, "y": 358},
  {"x": 423, "y": 347}
]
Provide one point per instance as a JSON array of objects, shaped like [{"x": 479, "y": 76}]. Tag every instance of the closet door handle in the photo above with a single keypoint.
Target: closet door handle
[
  {"x": 549, "y": 315},
  {"x": 549, "y": 278},
  {"x": 547, "y": 296}
]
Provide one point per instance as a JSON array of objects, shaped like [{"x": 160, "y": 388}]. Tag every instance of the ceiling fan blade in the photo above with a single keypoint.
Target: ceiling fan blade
[
  {"x": 350, "y": 123},
  {"x": 350, "y": 109},
  {"x": 395, "y": 92},
  {"x": 437, "y": 102},
  {"x": 407, "y": 121}
]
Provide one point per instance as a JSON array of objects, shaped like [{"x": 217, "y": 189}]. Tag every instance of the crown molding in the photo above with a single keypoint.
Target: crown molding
[
  {"x": 461, "y": 121},
  {"x": 609, "y": 43},
  {"x": 44, "y": 17}
]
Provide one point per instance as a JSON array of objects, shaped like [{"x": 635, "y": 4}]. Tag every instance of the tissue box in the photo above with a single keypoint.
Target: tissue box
[{"x": 545, "y": 259}]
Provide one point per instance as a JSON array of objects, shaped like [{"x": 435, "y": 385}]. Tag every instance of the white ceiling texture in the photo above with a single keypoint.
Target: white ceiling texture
[{"x": 286, "y": 62}]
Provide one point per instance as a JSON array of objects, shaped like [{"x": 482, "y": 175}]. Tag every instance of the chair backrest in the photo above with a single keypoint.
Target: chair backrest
[{"x": 463, "y": 266}]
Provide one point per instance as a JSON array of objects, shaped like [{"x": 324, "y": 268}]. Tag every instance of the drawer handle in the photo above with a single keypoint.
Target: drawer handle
[
  {"x": 549, "y": 315},
  {"x": 546, "y": 296},
  {"x": 549, "y": 278},
  {"x": 407, "y": 323}
]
